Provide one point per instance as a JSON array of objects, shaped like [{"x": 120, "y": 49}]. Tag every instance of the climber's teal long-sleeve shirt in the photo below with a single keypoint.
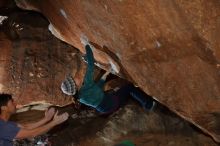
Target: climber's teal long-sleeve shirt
[{"x": 91, "y": 93}]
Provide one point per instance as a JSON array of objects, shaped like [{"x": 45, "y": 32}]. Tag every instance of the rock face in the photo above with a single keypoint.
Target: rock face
[
  {"x": 170, "y": 48},
  {"x": 32, "y": 61}
]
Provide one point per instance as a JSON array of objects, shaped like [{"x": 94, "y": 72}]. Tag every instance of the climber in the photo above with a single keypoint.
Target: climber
[
  {"x": 11, "y": 130},
  {"x": 91, "y": 93}
]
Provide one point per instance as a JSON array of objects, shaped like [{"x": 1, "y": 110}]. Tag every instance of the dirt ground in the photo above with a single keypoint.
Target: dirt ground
[{"x": 85, "y": 127}]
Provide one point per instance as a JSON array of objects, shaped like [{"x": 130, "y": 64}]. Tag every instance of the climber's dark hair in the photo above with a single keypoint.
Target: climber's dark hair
[{"x": 4, "y": 98}]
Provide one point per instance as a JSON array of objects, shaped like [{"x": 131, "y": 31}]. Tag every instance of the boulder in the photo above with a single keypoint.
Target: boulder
[{"x": 169, "y": 48}]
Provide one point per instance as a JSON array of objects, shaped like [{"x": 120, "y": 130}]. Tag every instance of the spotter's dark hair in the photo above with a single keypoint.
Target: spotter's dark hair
[{"x": 4, "y": 98}]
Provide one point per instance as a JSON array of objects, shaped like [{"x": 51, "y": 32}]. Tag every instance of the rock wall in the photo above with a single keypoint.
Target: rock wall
[
  {"x": 33, "y": 62},
  {"x": 170, "y": 48}
]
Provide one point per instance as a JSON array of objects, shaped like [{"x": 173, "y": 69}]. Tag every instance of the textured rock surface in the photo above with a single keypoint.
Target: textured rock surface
[
  {"x": 32, "y": 61},
  {"x": 170, "y": 48}
]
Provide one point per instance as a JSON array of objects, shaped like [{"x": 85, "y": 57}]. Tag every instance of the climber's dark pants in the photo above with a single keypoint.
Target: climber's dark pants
[
  {"x": 121, "y": 96},
  {"x": 129, "y": 90}
]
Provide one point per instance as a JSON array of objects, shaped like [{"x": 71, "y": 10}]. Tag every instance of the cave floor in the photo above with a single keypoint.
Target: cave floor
[{"x": 85, "y": 127}]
